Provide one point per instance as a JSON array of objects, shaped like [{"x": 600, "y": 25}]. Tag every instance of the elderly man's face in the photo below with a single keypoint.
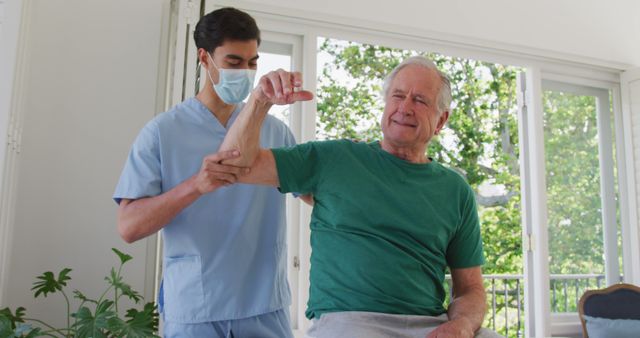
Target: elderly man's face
[{"x": 411, "y": 115}]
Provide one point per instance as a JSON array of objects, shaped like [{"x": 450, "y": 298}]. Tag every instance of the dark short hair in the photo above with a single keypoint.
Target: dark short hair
[{"x": 225, "y": 24}]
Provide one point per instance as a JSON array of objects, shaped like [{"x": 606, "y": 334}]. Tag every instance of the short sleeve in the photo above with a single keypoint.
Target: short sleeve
[
  {"x": 299, "y": 167},
  {"x": 289, "y": 139},
  {"x": 141, "y": 176},
  {"x": 465, "y": 248}
]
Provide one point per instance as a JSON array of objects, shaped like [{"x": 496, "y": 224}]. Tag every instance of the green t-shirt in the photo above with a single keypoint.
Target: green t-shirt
[{"x": 383, "y": 229}]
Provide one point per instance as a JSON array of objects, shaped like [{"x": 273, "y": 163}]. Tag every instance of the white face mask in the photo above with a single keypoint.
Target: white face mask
[{"x": 234, "y": 85}]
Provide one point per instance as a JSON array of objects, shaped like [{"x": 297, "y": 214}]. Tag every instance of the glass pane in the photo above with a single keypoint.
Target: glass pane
[
  {"x": 576, "y": 254},
  {"x": 480, "y": 142},
  {"x": 267, "y": 63}
]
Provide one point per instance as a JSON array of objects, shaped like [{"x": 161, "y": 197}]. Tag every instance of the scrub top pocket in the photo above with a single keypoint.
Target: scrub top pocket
[{"x": 183, "y": 292}]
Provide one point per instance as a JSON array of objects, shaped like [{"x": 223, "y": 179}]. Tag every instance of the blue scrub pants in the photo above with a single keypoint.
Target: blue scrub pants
[{"x": 269, "y": 325}]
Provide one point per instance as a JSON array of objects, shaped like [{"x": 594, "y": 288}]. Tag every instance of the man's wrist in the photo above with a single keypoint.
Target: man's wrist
[
  {"x": 257, "y": 107},
  {"x": 464, "y": 322},
  {"x": 191, "y": 187}
]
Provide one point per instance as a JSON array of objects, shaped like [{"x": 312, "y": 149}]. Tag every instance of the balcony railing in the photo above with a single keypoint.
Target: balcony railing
[{"x": 505, "y": 296}]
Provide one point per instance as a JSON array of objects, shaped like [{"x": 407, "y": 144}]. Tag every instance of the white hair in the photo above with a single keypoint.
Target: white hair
[{"x": 444, "y": 94}]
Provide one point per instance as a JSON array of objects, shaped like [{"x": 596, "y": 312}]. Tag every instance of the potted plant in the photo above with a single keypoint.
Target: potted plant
[{"x": 94, "y": 318}]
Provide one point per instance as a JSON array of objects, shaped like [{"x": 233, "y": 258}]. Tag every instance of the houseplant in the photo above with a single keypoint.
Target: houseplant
[{"x": 93, "y": 318}]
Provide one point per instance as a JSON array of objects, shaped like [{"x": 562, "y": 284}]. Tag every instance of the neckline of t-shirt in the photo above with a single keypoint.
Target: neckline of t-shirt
[
  {"x": 202, "y": 110},
  {"x": 376, "y": 145}
]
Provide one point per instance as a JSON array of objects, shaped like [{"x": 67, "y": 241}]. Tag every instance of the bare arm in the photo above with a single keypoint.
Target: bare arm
[
  {"x": 263, "y": 170},
  {"x": 466, "y": 311},
  {"x": 142, "y": 217},
  {"x": 277, "y": 87}
]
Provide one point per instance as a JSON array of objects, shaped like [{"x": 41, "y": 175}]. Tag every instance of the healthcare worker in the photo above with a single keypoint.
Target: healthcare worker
[{"x": 224, "y": 257}]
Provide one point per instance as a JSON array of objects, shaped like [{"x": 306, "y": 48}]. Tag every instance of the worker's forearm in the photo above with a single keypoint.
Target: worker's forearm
[
  {"x": 140, "y": 218},
  {"x": 244, "y": 134}
]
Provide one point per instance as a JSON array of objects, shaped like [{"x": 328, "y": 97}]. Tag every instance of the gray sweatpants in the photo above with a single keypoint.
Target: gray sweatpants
[{"x": 356, "y": 324}]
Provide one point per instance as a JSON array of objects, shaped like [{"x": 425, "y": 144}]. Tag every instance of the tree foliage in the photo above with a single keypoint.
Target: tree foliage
[{"x": 573, "y": 184}]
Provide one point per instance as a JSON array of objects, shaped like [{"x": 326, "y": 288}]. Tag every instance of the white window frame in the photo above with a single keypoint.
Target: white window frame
[
  {"x": 605, "y": 153},
  {"x": 271, "y": 42},
  {"x": 535, "y": 230},
  {"x": 628, "y": 102},
  {"x": 541, "y": 64}
]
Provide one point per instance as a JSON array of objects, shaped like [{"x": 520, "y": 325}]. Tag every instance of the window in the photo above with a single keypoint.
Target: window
[
  {"x": 579, "y": 161},
  {"x": 570, "y": 200}
]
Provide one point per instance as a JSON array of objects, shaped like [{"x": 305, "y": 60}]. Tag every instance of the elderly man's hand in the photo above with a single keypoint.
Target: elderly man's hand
[
  {"x": 456, "y": 328},
  {"x": 281, "y": 87}
]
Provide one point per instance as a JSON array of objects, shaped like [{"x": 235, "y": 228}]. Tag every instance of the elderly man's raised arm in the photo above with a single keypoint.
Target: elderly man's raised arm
[{"x": 278, "y": 87}]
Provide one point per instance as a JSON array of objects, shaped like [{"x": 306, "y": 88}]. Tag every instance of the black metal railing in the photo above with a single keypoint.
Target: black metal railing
[{"x": 505, "y": 298}]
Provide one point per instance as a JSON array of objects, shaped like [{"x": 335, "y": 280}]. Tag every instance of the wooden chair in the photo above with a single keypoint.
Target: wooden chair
[{"x": 619, "y": 301}]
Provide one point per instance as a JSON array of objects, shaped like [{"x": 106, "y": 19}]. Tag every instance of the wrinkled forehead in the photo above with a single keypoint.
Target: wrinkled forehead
[{"x": 416, "y": 79}]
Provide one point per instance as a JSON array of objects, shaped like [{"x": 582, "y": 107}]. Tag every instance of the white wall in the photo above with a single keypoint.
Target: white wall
[
  {"x": 90, "y": 85},
  {"x": 606, "y": 30},
  {"x": 5, "y": 84},
  {"x": 10, "y": 18},
  {"x": 2, "y": 5}
]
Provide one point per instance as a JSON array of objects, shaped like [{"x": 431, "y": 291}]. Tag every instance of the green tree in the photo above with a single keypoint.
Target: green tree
[
  {"x": 573, "y": 193},
  {"x": 573, "y": 183}
]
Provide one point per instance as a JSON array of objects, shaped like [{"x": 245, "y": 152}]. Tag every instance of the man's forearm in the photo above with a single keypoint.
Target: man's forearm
[
  {"x": 145, "y": 216},
  {"x": 140, "y": 218},
  {"x": 244, "y": 134},
  {"x": 469, "y": 307},
  {"x": 276, "y": 87}
]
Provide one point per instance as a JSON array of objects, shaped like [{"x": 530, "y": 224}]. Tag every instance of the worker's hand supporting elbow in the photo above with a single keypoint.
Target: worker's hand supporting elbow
[{"x": 213, "y": 174}]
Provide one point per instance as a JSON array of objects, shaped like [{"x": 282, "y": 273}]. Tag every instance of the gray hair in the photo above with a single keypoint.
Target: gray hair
[{"x": 444, "y": 94}]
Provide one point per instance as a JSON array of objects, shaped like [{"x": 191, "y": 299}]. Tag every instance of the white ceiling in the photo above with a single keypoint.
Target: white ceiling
[{"x": 605, "y": 30}]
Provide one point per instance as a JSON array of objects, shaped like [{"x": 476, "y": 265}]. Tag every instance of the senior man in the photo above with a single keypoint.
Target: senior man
[{"x": 387, "y": 219}]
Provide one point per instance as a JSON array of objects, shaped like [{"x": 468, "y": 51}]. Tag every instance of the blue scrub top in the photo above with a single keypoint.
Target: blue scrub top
[{"x": 225, "y": 254}]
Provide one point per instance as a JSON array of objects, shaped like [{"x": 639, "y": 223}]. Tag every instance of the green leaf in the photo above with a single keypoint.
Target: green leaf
[
  {"x": 125, "y": 288},
  {"x": 6, "y": 326},
  {"x": 90, "y": 325},
  {"x": 13, "y": 319},
  {"x": 82, "y": 297},
  {"x": 63, "y": 276},
  {"x": 140, "y": 324},
  {"x": 34, "y": 333},
  {"x": 123, "y": 256},
  {"x": 49, "y": 284}
]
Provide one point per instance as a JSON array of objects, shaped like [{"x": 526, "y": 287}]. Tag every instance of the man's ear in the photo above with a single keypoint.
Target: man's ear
[
  {"x": 203, "y": 58},
  {"x": 442, "y": 120}
]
